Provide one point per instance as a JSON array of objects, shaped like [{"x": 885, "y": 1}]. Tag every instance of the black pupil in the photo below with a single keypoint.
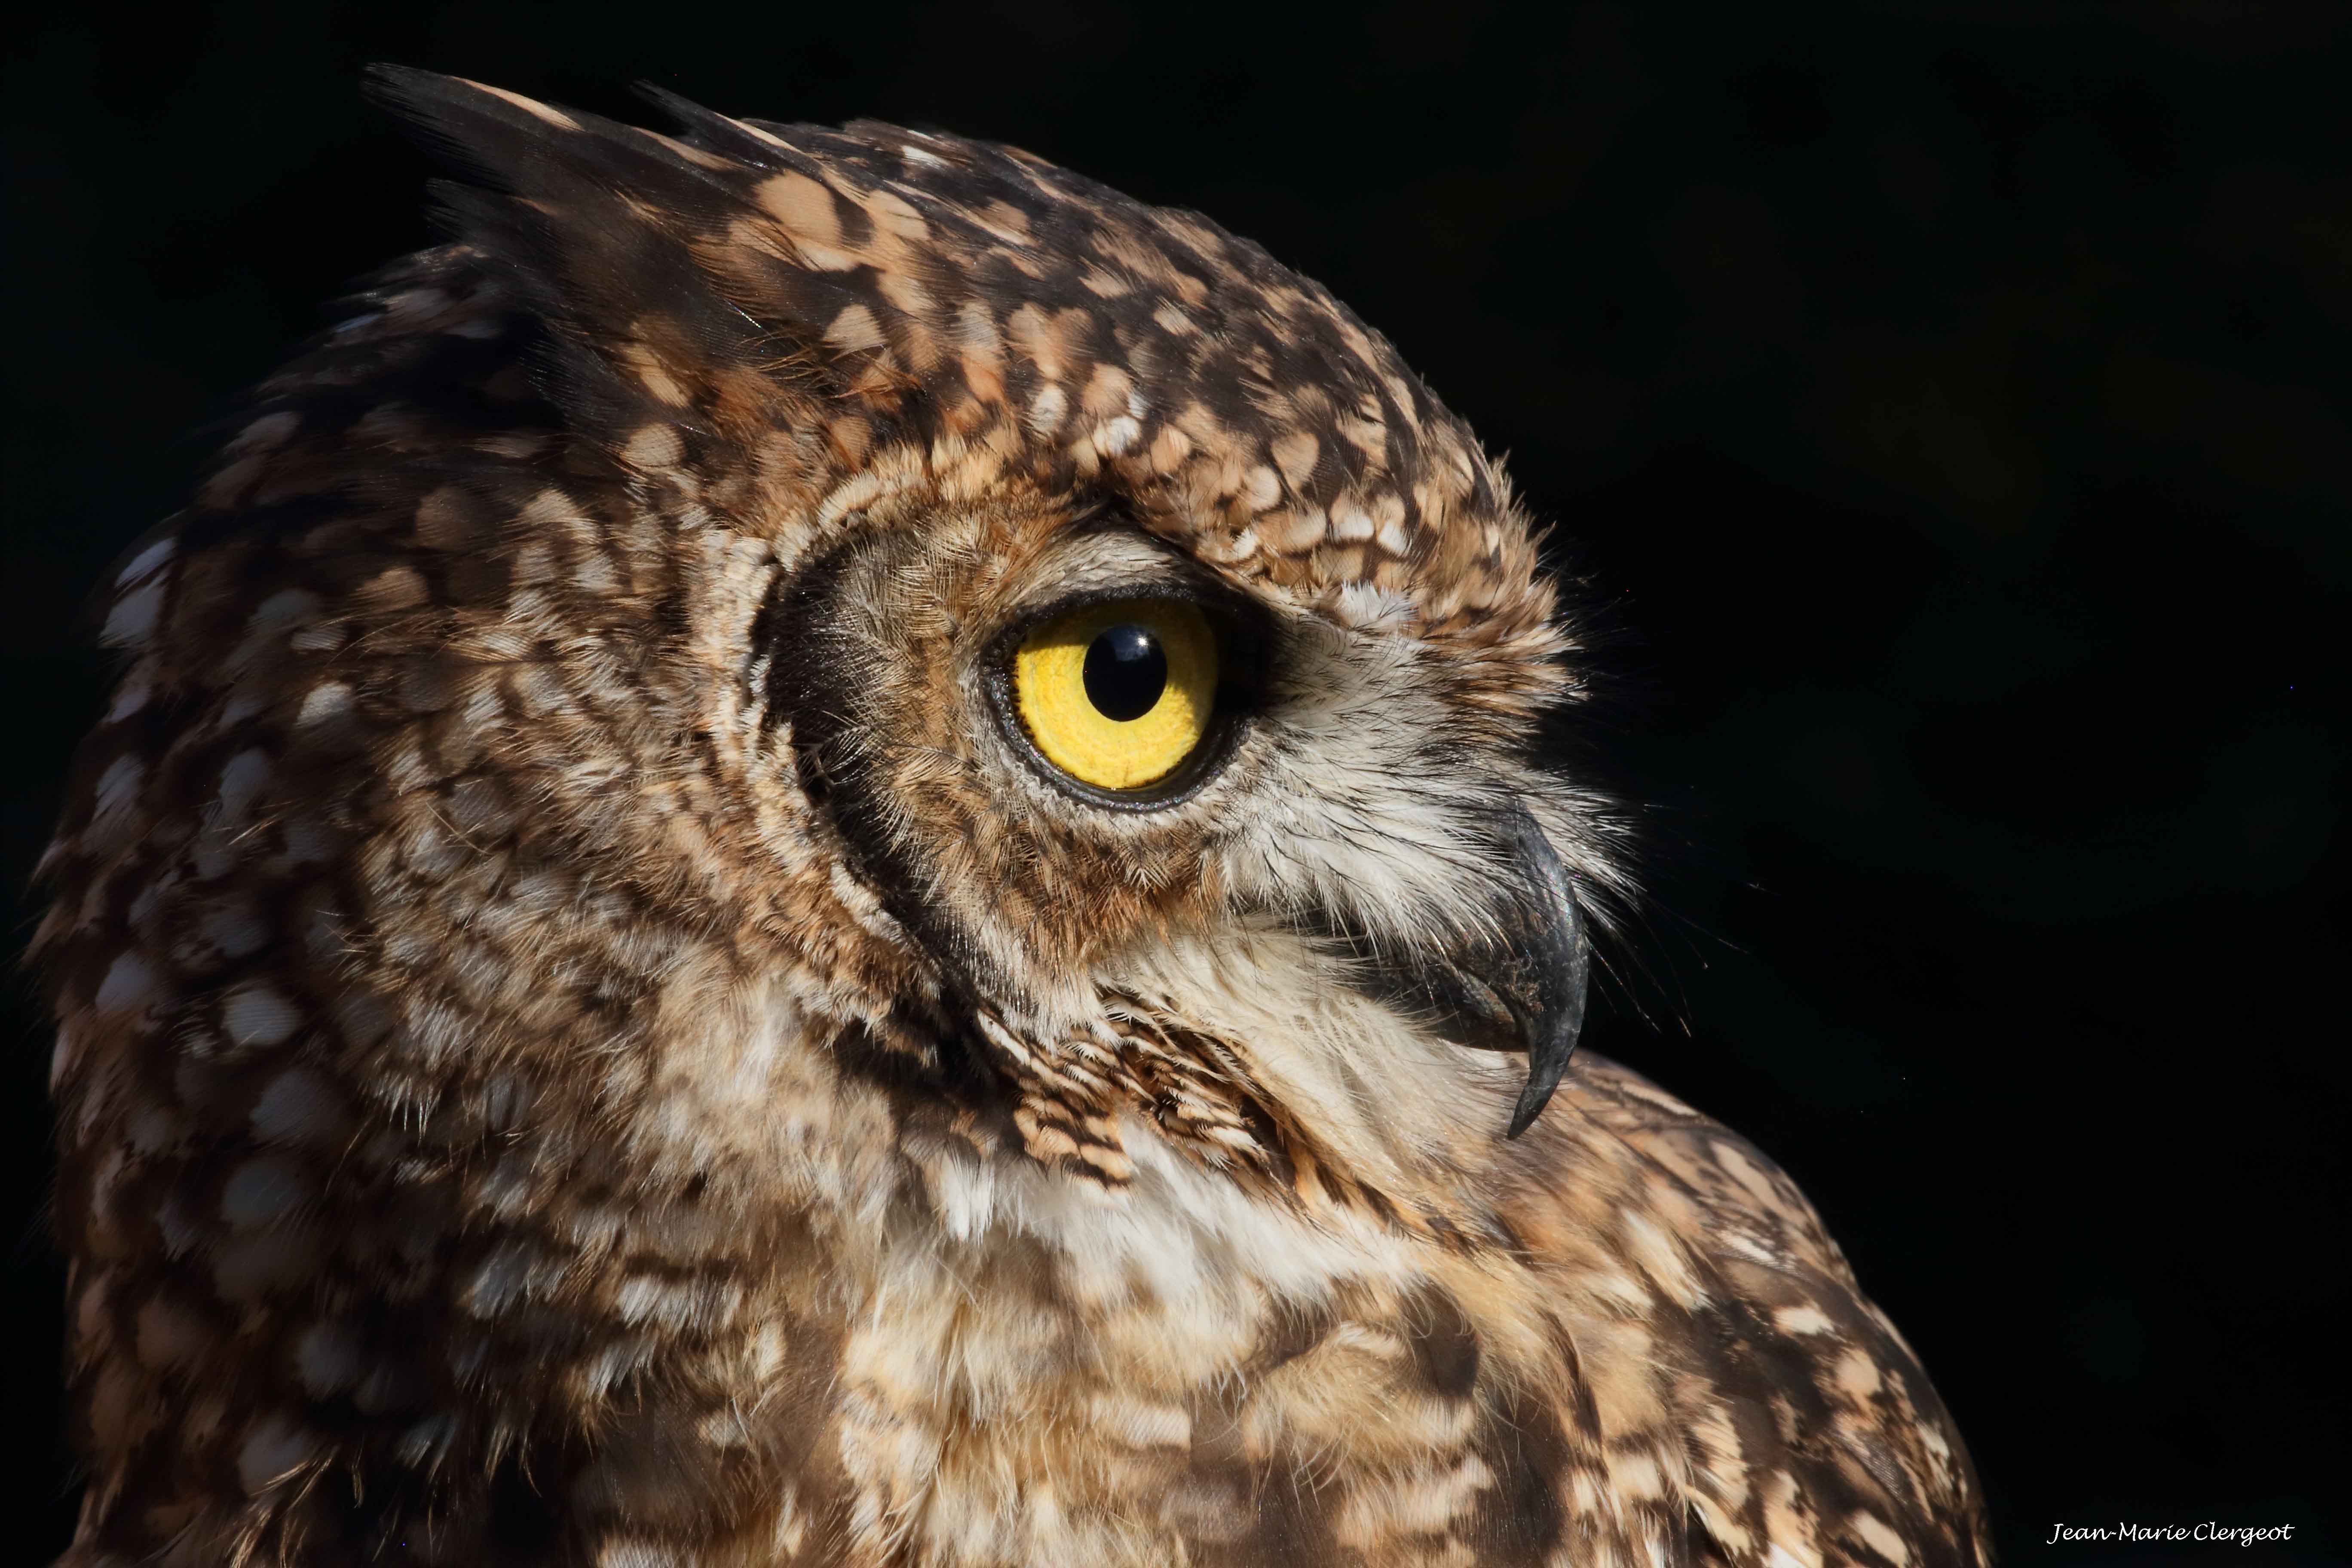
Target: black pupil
[{"x": 1126, "y": 669}]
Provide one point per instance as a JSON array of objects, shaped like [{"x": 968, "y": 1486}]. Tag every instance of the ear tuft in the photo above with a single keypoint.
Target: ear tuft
[
  {"x": 525, "y": 148},
  {"x": 713, "y": 131},
  {"x": 613, "y": 238}
]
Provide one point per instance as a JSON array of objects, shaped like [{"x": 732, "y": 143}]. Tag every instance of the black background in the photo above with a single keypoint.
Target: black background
[{"x": 1948, "y": 401}]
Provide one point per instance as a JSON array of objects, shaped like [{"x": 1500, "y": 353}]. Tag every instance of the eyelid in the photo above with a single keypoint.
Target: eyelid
[{"x": 1238, "y": 620}]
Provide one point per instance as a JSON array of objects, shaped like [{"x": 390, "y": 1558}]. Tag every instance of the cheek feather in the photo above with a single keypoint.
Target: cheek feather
[{"x": 1402, "y": 1109}]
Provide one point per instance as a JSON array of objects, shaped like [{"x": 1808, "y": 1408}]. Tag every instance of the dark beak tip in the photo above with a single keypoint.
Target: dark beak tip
[
  {"x": 1561, "y": 956},
  {"x": 1546, "y": 1065}
]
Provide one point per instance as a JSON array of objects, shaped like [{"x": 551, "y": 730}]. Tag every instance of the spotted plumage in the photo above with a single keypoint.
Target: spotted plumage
[{"x": 586, "y": 1034}]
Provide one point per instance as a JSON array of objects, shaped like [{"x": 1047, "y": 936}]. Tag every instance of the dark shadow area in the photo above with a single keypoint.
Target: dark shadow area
[{"x": 1948, "y": 404}]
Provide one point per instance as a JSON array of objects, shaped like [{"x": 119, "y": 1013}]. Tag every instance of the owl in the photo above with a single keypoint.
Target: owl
[{"x": 829, "y": 848}]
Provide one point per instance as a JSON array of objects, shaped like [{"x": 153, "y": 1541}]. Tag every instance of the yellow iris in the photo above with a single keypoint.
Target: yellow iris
[{"x": 1084, "y": 684}]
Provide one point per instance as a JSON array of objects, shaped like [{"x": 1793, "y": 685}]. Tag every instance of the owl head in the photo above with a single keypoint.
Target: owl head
[{"x": 769, "y": 608}]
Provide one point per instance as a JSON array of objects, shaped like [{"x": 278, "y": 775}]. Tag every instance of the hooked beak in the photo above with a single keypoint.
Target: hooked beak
[{"x": 1519, "y": 986}]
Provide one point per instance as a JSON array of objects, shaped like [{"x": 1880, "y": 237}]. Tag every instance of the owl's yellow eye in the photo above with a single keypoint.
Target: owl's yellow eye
[{"x": 1118, "y": 695}]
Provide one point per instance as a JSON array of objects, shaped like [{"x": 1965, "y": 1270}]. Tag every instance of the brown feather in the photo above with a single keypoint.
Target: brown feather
[{"x": 575, "y": 1045}]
